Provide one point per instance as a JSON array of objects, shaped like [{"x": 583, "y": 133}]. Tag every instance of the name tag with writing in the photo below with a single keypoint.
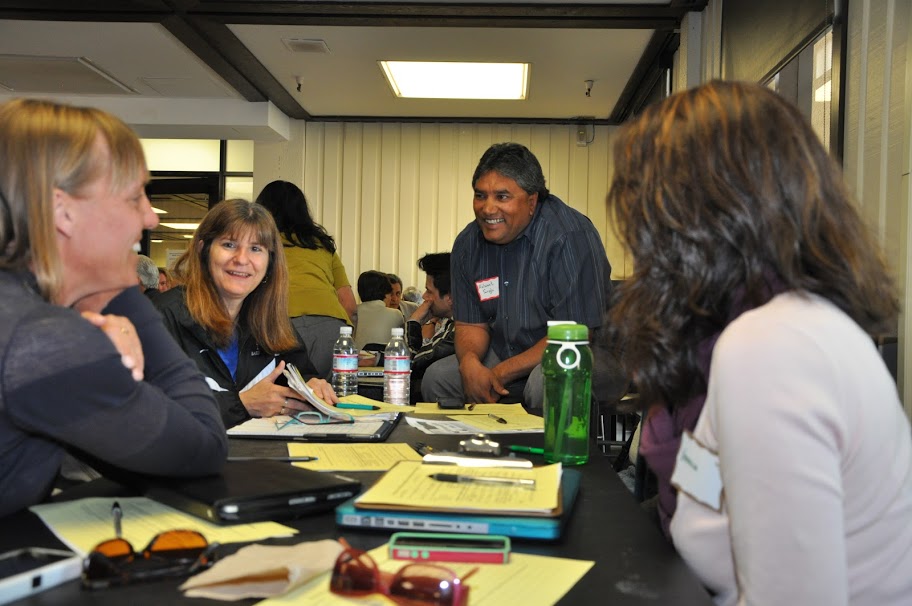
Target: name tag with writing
[
  {"x": 697, "y": 474},
  {"x": 488, "y": 289}
]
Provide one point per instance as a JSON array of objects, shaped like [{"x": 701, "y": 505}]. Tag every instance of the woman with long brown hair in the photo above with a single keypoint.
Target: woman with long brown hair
[
  {"x": 747, "y": 320},
  {"x": 230, "y": 313}
]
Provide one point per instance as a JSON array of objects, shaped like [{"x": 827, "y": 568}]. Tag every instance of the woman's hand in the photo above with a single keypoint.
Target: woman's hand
[
  {"x": 323, "y": 390},
  {"x": 123, "y": 335},
  {"x": 266, "y": 399}
]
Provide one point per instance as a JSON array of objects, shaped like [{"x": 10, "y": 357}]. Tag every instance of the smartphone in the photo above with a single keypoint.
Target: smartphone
[
  {"x": 33, "y": 569},
  {"x": 446, "y": 547},
  {"x": 450, "y": 403}
]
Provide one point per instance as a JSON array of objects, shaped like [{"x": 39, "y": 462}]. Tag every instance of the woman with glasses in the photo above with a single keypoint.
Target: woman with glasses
[
  {"x": 85, "y": 363},
  {"x": 230, "y": 313},
  {"x": 782, "y": 450}
]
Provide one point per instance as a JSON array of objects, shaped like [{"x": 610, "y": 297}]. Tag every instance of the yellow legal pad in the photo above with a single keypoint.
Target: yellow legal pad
[{"x": 408, "y": 486}]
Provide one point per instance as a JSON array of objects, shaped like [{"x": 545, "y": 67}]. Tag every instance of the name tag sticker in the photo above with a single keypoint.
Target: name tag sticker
[
  {"x": 488, "y": 289},
  {"x": 697, "y": 474}
]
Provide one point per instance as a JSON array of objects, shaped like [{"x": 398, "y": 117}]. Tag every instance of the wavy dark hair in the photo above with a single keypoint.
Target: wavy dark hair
[
  {"x": 718, "y": 193},
  {"x": 289, "y": 208}
]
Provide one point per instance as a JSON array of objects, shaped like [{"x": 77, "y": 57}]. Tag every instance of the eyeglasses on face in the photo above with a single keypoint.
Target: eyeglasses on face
[
  {"x": 168, "y": 554},
  {"x": 418, "y": 584}
]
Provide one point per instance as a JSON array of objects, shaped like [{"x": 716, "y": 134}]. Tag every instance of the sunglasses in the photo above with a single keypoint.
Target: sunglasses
[
  {"x": 169, "y": 554},
  {"x": 419, "y": 584}
]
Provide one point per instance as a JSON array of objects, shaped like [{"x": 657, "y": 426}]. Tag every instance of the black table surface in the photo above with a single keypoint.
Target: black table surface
[{"x": 634, "y": 564}]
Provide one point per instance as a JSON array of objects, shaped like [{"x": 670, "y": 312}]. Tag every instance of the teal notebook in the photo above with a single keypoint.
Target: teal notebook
[{"x": 512, "y": 526}]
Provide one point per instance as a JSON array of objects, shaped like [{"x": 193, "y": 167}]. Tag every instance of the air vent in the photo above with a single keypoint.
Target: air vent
[{"x": 304, "y": 45}]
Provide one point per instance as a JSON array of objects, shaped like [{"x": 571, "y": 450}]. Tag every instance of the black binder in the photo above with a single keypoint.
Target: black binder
[{"x": 253, "y": 491}]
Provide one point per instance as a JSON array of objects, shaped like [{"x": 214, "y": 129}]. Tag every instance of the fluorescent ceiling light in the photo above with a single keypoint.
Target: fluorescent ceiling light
[
  {"x": 181, "y": 226},
  {"x": 453, "y": 80},
  {"x": 159, "y": 211},
  {"x": 156, "y": 241}
]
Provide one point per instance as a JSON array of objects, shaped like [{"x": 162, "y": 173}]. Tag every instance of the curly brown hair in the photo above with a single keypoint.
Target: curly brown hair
[{"x": 724, "y": 194}]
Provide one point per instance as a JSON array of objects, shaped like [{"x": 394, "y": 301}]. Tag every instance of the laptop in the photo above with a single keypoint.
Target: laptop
[
  {"x": 253, "y": 491},
  {"x": 550, "y": 529}
]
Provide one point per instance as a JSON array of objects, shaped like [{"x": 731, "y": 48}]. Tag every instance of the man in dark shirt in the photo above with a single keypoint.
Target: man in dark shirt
[
  {"x": 526, "y": 259},
  {"x": 435, "y": 314}
]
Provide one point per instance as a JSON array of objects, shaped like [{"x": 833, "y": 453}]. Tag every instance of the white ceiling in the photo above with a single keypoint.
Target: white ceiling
[{"x": 219, "y": 68}]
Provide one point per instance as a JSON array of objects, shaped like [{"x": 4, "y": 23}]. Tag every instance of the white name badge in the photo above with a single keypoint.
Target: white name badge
[
  {"x": 697, "y": 474},
  {"x": 488, "y": 288}
]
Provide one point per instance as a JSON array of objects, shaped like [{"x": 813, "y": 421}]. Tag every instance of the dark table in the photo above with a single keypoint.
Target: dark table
[{"x": 634, "y": 564}]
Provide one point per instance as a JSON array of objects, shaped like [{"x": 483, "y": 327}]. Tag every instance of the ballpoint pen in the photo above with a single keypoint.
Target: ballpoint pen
[
  {"x": 357, "y": 406},
  {"x": 528, "y": 449},
  {"x": 496, "y": 418},
  {"x": 282, "y": 459},
  {"x": 117, "y": 512},
  {"x": 461, "y": 479}
]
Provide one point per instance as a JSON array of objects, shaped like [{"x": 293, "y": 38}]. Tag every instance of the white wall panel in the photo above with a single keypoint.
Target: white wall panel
[
  {"x": 389, "y": 193},
  {"x": 878, "y": 132}
]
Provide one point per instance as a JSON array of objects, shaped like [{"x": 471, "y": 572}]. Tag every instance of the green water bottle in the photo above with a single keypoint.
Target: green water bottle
[{"x": 567, "y": 372}]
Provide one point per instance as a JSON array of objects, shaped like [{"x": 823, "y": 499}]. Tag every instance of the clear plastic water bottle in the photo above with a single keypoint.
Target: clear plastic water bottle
[
  {"x": 345, "y": 364},
  {"x": 397, "y": 373},
  {"x": 567, "y": 375}
]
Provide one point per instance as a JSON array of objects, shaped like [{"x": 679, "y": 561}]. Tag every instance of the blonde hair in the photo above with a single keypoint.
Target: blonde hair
[
  {"x": 46, "y": 146},
  {"x": 265, "y": 310}
]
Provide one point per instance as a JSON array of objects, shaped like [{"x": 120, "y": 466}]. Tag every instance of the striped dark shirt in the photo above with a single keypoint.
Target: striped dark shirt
[{"x": 556, "y": 269}]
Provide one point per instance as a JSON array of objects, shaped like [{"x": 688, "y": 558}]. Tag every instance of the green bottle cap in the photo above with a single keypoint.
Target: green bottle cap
[{"x": 568, "y": 332}]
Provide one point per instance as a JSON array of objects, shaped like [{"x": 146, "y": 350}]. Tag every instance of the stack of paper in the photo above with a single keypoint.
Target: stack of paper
[
  {"x": 335, "y": 415},
  {"x": 412, "y": 486}
]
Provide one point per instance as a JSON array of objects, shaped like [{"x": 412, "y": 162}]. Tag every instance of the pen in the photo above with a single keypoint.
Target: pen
[
  {"x": 459, "y": 479},
  {"x": 471, "y": 407},
  {"x": 496, "y": 418},
  {"x": 422, "y": 448},
  {"x": 117, "y": 512},
  {"x": 282, "y": 459},
  {"x": 529, "y": 449},
  {"x": 357, "y": 406}
]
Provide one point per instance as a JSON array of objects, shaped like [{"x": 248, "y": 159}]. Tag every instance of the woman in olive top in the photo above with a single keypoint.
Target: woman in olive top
[{"x": 320, "y": 297}]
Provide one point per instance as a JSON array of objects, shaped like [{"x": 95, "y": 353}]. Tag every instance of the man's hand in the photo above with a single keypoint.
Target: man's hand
[
  {"x": 479, "y": 382},
  {"x": 123, "y": 335},
  {"x": 423, "y": 313}
]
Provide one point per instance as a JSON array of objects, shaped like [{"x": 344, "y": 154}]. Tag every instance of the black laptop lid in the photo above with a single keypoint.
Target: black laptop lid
[{"x": 252, "y": 491}]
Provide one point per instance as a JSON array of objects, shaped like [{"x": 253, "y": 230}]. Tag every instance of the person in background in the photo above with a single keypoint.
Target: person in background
[
  {"x": 413, "y": 295},
  {"x": 407, "y": 308},
  {"x": 747, "y": 320},
  {"x": 165, "y": 279},
  {"x": 437, "y": 312},
  {"x": 86, "y": 365},
  {"x": 375, "y": 318},
  {"x": 320, "y": 297},
  {"x": 147, "y": 272},
  {"x": 526, "y": 259},
  {"x": 230, "y": 314}
]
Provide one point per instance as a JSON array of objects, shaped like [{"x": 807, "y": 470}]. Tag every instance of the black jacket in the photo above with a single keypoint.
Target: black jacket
[{"x": 252, "y": 359}]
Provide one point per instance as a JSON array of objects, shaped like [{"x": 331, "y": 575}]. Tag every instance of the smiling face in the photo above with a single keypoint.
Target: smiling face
[
  {"x": 502, "y": 208},
  {"x": 98, "y": 230},
  {"x": 237, "y": 264}
]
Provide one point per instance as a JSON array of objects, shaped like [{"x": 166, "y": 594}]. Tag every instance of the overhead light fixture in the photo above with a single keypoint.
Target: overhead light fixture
[
  {"x": 156, "y": 241},
  {"x": 455, "y": 80},
  {"x": 159, "y": 211},
  {"x": 181, "y": 226}
]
